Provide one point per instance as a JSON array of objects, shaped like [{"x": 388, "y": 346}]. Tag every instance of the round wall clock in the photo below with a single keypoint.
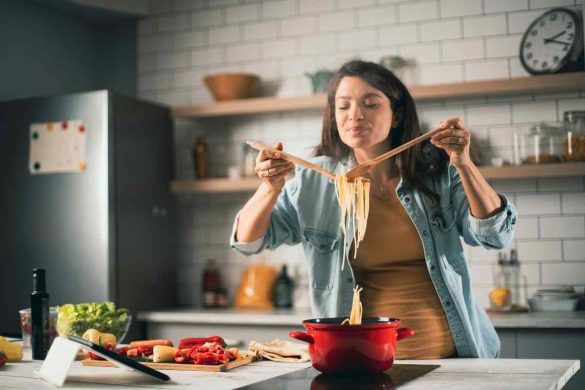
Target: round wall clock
[{"x": 553, "y": 43}]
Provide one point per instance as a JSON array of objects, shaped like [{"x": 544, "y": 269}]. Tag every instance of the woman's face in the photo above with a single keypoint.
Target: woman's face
[{"x": 363, "y": 114}]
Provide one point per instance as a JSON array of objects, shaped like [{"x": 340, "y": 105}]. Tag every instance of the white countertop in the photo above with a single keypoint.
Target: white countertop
[
  {"x": 454, "y": 374},
  {"x": 573, "y": 319}
]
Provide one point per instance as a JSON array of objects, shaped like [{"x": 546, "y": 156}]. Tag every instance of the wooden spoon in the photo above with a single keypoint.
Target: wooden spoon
[
  {"x": 290, "y": 157},
  {"x": 362, "y": 168}
]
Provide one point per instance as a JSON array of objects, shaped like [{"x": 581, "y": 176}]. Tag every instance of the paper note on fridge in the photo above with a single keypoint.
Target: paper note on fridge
[{"x": 57, "y": 147}]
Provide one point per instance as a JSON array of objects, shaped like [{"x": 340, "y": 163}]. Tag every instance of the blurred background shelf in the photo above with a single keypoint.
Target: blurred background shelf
[
  {"x": 216, "y": 185},
  {"x": 535, "y": 170},
  {"x": 490, "y": 172},
  {"x": 535, "y": 84}
]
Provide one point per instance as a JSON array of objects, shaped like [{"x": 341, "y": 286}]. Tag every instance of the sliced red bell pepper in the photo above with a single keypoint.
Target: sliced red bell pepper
[{"x": 193, "y": 341}]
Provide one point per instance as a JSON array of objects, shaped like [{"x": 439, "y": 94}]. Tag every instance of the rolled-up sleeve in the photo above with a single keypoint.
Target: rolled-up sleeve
[
  {"x": 246, "y": 248},
  {"x": 496, "y": 224},
  {"x": 283, "y": 227},
  {"x": 494, "y": 232}
]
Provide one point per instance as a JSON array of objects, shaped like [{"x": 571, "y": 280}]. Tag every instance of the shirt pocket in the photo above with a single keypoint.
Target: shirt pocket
[
  {"x": 447, "y": 238},
  {"x": 444, "y": 218},
  {"x": 320, "y": 248}
]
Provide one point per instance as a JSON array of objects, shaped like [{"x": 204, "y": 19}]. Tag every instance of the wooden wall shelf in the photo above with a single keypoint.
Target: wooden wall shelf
[
  {"x": 534, "y": 84},
  {"x": 491, "y": 173},
  {"x": 216, "y": 185},
  {"x": 534, "y": 171}
]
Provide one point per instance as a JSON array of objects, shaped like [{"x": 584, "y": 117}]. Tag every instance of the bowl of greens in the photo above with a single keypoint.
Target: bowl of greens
[{"x": 74, "y": 320}]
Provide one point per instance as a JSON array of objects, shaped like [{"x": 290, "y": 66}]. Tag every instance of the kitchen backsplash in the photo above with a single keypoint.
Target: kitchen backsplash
[{"x": 450, "y": 41}]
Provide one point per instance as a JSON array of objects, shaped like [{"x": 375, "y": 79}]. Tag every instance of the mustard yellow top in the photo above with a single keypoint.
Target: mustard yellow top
[{"x": 390, "y": 266}]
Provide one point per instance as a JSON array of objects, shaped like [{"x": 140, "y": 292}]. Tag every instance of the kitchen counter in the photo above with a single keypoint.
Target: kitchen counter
[
  {"x": 452, "y": 374},
  {"x": 533, "y": 335},
  {"x": 573, "y": 319}
]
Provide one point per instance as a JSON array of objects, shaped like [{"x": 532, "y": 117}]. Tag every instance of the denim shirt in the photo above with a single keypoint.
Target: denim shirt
[{"x": 307, "y": 212}]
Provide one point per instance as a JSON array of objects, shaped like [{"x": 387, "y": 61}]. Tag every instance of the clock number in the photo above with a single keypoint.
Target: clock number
[
  {"x": 534, "y": 32},
  {"x": 544, "y": 64},
  {"x": 529, "y": 56},
  {"x": 566, "y": 47},
  {"x": 553, "y": 17},
  {"x": 528, "y": 45},
  {"x": 542, "y": 22},
  {"x": 534, "y": 62},
  {"x": 570, "y": 36},
  {"x": 569, "y": 24},
  {"x": 556, "y": 59}
]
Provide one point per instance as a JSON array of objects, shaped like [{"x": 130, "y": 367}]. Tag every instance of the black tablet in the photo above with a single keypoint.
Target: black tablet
[{"x": 114, "y": 357}]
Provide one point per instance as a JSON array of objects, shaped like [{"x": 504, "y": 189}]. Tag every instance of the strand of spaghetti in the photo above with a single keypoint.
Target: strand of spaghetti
[
  {"x": 340, "y": 189},
  {"x": 359, "y": 190},
  {"x": 355, "y": 316}
]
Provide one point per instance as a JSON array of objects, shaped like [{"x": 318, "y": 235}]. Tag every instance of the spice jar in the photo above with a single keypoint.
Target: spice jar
[
  {"x": 574, "y": 145},
  {"x": 543, "y": 143}
]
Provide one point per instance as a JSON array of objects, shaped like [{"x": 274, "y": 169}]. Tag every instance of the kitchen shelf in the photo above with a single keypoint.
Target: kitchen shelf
[
  {"x": 533, "y": 171},
  {"x": 532, "y": 84},
  {"x": 216, "y": 185},
  {"x": 490, "y": 172}
]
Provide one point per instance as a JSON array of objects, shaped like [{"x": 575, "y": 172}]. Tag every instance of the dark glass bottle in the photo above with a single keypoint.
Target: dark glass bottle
[
  {"x": 283, "y": 290},
  {"x": 211, "y": 283},
  {"x": 201, "y": 159},
  {"x": 39, "y": 310}
]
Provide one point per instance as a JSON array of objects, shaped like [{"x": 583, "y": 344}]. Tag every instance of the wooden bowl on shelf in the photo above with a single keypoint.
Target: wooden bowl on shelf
[{"x": 231, "y": 86}]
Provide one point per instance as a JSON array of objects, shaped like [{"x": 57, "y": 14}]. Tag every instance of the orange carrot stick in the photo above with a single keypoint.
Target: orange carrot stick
[{"x": 150, "y": 343}]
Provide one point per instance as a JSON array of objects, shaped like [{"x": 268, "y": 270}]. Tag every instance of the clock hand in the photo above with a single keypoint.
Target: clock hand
[
  {"x": 546, "y": 40},
  {"x": 559, "y": 42}
]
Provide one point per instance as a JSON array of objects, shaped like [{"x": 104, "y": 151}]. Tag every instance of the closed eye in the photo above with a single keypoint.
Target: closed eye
[{"x": 374, "y": 105}]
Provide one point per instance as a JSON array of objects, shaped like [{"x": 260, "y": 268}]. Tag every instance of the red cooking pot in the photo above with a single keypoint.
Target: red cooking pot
[{"x": 366, "y": 348}]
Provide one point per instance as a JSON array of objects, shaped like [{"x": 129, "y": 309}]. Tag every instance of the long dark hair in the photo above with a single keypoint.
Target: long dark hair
[{"x": 419, "y": 160}]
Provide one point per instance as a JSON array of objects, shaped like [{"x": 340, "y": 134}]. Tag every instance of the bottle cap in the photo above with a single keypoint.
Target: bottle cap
[{"x": 39, "y": 279}]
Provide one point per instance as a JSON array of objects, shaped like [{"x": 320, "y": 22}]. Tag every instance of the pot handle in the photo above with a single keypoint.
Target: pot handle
[
  {"x": 404, "y": 333},
  {"x": 302, "y": 336}
]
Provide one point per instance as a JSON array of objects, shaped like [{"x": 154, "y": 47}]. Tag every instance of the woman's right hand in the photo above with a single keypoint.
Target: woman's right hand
[{"x": 272, "y": 169}]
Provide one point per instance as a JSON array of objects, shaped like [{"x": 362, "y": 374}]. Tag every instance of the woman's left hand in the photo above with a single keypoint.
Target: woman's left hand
[{"x": 454, "y": 140}]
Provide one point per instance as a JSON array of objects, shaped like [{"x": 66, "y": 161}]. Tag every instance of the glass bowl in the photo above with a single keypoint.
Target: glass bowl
[
  {"x": 118, "y": 328},
  {"x": 26, "y": 324}
]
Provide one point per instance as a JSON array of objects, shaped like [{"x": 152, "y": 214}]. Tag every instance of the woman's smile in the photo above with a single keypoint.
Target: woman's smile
[{"x": 357, "y": 130}]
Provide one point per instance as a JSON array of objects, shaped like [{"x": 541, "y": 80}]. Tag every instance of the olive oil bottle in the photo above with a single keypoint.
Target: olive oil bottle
[{"x": 39, "y": 310}]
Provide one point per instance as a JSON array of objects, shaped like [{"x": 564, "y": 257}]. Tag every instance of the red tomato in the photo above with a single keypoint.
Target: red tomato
[{"x": 97, "y": 357}]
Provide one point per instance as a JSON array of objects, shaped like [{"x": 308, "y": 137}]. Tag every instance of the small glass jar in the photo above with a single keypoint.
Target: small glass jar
[
  {"x": 574, "y": 144},
  {"x": 542, "y": 145},
  {"x": 249, "y": 161}
]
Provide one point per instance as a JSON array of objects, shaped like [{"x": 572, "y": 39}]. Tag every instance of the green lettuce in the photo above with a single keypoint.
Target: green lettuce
[{"x": 74, "y": 320}]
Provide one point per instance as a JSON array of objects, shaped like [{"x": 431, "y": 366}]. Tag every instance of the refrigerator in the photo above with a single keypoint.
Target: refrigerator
[{"x": 98, "y": 215}]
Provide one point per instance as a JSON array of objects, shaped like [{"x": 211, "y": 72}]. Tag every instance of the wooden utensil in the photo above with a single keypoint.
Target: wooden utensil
[
  {"x": 176, "y": 366},
  {"x": 290, "y": 157},
  {"x": 362, "y": 168}
]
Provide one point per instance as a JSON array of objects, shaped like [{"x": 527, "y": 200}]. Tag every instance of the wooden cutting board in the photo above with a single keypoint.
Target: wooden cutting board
[{"x": 176, "y": 366}]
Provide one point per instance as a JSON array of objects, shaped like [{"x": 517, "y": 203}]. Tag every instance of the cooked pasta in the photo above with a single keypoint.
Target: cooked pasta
[
  {"x": 355, "y": 317},
  {"x": 354, "y": 203}
]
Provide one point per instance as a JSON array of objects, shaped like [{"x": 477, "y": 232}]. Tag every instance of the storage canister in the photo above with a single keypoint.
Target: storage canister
[{"x": 574, "y": 144}]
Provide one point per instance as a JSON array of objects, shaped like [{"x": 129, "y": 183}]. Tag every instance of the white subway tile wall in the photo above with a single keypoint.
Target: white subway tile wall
[{"x": 448, "y": 40}]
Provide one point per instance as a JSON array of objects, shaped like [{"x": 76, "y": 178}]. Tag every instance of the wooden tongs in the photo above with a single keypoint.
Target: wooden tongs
[{"x": 359, "y": 169}]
